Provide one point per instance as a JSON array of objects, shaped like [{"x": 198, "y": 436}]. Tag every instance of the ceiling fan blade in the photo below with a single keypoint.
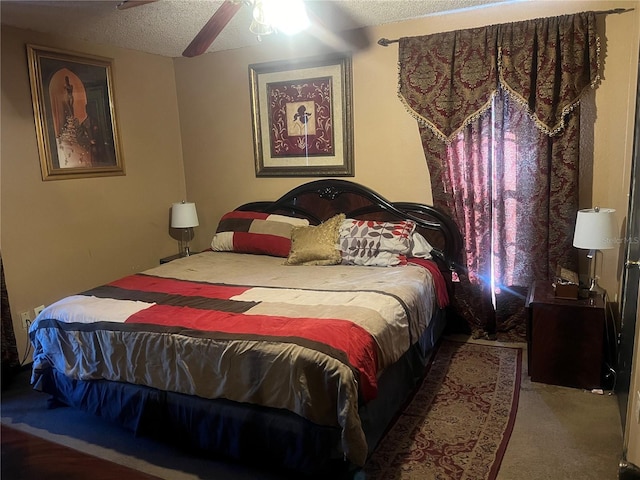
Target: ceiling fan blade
[
  {"x": 212, "y": 29},
  {"x": 124, "y": 4}
]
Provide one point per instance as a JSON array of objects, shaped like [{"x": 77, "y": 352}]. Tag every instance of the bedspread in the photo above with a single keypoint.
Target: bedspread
[{"x": 247, "y": 328}]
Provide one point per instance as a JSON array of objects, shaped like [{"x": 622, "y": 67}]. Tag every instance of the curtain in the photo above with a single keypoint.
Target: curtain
[{"x": 496, "y": 107}]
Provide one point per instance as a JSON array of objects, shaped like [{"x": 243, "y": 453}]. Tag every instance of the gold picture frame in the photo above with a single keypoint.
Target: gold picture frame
[
  {"x": 302, "y": 117},
  {"x": 74, "y": 112}
]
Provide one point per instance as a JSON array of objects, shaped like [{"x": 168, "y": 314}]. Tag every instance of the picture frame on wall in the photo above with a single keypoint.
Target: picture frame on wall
[
  {"x": 302, "y": 117},
  {"x": 74, "y": 112}
]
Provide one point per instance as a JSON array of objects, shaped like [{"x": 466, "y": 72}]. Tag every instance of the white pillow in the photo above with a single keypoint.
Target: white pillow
[{"x": 420, "y": 247}]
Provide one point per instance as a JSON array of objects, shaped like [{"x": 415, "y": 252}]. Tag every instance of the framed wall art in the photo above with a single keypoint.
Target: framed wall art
[
  {"x": 302, "y": 117},
  {"x": 74, "y": 113}
]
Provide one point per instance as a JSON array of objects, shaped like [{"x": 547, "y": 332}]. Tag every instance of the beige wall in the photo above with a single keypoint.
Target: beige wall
[{"x": 60, "y": 237}]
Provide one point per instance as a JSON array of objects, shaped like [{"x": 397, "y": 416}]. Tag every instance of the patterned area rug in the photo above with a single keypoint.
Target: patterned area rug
[{"x": 458, "y": 424}]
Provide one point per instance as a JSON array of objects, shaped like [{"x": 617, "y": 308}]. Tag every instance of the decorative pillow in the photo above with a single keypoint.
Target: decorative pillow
[
  {"x": 374, "y": 243},
  {"x": 420, "y": 247},
  {"x": 316, "y": 245},
  {"x": 255, "y": 232}
]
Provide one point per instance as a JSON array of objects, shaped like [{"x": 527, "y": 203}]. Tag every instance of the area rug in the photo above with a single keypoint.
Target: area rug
[{"x": 458, "y": 424}]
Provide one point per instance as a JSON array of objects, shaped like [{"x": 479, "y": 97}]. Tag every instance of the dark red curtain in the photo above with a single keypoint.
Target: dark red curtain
[{"x": 500, "y": 131}]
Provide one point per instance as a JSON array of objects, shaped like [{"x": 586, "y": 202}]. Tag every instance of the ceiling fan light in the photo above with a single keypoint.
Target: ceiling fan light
[
  {"x": 260, "y": 24},
  {"x": 260, "y": 29},
  {"x": 286, "y": 16}
]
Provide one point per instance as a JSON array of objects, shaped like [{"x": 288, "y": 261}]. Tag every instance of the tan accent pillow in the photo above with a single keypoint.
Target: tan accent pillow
[{"x": 316, "y": 245}]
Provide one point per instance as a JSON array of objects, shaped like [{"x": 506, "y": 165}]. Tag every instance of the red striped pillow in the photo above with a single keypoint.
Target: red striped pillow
[{"x": 255, "y": 232}]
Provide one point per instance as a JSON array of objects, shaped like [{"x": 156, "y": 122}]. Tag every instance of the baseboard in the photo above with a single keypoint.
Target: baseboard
[{"x": 628, "y": 471}]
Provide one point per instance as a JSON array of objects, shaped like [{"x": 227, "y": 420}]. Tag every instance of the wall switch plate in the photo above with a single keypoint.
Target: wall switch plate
[
  {"x": 37, "y": 310},
  {"x": 24, "y": 317}
]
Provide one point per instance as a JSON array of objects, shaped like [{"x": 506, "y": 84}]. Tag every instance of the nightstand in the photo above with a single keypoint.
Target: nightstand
[
  {"x": 170, "y": 258},
  {"x": 565, "y": 338}
]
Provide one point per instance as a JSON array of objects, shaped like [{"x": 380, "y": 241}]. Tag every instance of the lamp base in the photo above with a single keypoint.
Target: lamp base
[
  {"x": 596, "y": 290},
  {"x": 184, "y": 242}
]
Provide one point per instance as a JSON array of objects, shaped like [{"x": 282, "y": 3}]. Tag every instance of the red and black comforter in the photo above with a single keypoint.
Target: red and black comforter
[{"x": 247, "y": 328}]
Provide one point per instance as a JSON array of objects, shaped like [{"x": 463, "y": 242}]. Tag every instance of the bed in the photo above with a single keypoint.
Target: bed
[{"x": 290, "y": 343}]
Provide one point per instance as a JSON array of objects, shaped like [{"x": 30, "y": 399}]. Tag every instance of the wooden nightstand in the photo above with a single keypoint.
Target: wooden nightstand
[{"x": 565, "y": 338}]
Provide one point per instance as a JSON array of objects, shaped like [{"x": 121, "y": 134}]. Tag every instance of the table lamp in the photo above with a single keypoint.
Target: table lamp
[
  {"x": 596, "y": 229},
  {"x": 185, "y": 217}
]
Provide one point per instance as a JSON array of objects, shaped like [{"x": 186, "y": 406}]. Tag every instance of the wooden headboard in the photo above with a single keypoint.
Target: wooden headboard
[{"x": 320, "y": 200}]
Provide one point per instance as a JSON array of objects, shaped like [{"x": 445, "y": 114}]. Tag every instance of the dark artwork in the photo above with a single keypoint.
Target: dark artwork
[{"x": 77, "y": 100}]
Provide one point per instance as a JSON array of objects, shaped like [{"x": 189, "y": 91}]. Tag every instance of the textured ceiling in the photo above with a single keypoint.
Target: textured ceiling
[{"x": 166, "y": 27}]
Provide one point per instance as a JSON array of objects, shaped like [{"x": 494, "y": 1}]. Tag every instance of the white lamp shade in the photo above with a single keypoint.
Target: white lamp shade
[
  {"x": 596, "y": 229},
  {"x": 184, "y": 215}
]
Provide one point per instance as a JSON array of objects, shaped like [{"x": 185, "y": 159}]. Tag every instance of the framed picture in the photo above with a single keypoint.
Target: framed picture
[
  {"x": 302, "y": 117},
  {"x": 74, "y": 112}
]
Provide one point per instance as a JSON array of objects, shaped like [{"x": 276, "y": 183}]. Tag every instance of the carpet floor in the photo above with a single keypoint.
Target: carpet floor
[
  {"x": 459, "y": 422},
  {"x": 457, "y": 425}
]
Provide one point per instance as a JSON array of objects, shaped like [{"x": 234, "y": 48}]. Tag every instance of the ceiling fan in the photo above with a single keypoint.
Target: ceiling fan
[
  {"x": 222, "y": 16},
  {"x": 214, "y": 26}
]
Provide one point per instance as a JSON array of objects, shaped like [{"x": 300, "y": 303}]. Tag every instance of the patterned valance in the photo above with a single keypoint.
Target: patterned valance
[{"x": 446, "y": 80}]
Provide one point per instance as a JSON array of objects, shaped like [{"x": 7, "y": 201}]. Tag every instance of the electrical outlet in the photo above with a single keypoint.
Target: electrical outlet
[
  {"x": 37, "y": 310},
  {"x": 26, "y": 320}
]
